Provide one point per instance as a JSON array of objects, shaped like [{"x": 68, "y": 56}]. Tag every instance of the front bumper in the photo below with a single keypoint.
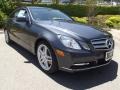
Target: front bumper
[
  {"x": 87, "y": 67},
  {"x": 83, "y": 60}
]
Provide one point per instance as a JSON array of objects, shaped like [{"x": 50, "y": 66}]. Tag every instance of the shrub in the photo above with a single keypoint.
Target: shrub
[
  {"x": 113, "y": 22},
  {"x": 115, "y": 19},
  {"x": 7, "y": 6},
  {"x": 81, "y": 10},
  {"x": 81, "y": 20},
  {"x": 2, "y": 19},
  {"x": 109, "y": 24},
  {"x": 74, "y": 10}
]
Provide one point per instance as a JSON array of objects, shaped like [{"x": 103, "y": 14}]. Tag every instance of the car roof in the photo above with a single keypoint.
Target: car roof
[
  {"x": 30, "y": 7},
  {"x": 34, "y": 7}
]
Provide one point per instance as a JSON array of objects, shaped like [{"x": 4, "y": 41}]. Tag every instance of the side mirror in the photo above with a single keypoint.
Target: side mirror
[{"x": 22, "y": 19}]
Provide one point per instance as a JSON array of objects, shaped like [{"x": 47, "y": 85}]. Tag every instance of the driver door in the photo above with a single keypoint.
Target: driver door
[{"x": 18, "y": 31}]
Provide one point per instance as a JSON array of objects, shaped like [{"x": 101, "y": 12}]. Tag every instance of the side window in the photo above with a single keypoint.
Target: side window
[{"x": 21, "y": 13}]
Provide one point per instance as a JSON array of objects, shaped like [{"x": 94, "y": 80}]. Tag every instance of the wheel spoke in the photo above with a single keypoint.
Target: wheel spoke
[
  {"x": 41, "y": 52},
  {"x": 48, "y": 57},
  {"x": 41, "y": 58},
  {"x": 46, "y": 64},
  {"x": 45, "y": 50},
  {"x": 39, "y": 55},
  {"x": 49, "y": 62}
]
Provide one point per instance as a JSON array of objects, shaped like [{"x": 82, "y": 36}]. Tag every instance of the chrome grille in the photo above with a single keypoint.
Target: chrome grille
[{"x": 100, "y": 43}]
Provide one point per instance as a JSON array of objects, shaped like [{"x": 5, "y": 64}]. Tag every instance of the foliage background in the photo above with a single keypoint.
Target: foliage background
[{"x": 79, "y": 12}]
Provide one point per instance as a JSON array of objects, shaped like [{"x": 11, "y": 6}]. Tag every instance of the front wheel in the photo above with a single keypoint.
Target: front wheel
[{"x": 46, "y": 58}]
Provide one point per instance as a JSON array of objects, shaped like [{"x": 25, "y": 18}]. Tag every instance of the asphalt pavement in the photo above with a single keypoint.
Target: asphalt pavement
[{"x": 19, "y": 70}]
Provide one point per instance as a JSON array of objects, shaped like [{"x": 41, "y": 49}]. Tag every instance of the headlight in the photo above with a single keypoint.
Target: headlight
[{"x": 69, "y": 42}]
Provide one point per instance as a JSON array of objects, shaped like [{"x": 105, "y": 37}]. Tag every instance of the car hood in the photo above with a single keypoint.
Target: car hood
[{"x": 74, "y": 29}]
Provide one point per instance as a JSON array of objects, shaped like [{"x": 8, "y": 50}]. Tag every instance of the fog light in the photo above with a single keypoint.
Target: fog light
[{"x": 59, "y": 53}]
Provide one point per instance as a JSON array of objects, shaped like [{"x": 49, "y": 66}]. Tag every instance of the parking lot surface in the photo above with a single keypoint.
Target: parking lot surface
[{"x": 19, "y": 70}]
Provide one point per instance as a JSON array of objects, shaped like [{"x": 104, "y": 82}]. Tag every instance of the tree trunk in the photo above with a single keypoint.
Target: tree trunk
[
  {"x": 55, "y": 1},
  {"x": 33, "y": 2},
  {"x": 91, "y": 10}
]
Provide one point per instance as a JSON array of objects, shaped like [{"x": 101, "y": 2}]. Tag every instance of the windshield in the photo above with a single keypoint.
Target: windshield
[{"x": 48, "y": 14}]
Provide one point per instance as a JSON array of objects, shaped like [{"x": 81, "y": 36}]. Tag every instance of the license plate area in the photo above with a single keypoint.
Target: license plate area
[{"x": 109, "y": 55}]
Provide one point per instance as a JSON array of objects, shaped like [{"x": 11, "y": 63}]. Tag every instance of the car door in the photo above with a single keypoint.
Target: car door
[
  {"x": 20, "y": 35},
  {"x": 11, "y": 24}
]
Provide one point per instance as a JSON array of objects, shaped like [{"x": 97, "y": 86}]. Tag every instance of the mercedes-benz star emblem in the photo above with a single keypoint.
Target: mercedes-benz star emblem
[{"x": 109, "y": 43}]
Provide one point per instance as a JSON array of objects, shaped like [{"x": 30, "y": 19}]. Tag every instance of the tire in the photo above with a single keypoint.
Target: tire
[
  {"x": 46, "y": 57},
  {"x": 7, "y": 37}
]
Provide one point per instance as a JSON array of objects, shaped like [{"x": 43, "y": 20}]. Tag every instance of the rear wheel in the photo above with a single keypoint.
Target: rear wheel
[
  {"x": 7, "y": 38},
  {"x": 46, "y": 58}
]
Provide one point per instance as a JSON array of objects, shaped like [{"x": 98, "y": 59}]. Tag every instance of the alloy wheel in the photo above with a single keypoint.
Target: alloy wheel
[{"x": 44, "y": 57}]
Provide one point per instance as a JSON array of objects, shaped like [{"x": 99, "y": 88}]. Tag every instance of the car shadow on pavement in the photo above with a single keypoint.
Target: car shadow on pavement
[
  {"x": 79, "y": 80},
  {"x": 87, "y": 79}
]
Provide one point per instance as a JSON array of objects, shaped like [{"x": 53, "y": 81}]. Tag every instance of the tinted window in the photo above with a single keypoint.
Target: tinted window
[
  {"x": 21, "y": 13},
  {"x": 48, "y": 14}
]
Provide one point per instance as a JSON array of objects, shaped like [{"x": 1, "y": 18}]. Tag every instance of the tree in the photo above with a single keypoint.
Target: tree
[
  {"x": 72, "y": 1},
  {"x": 33, "y": 1},
  {"x": 18, "y": 3},
  {"x": 6, "y": 5},
  {"x": 55, "y": 1},
  {"x": 91, "y": 10}
]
